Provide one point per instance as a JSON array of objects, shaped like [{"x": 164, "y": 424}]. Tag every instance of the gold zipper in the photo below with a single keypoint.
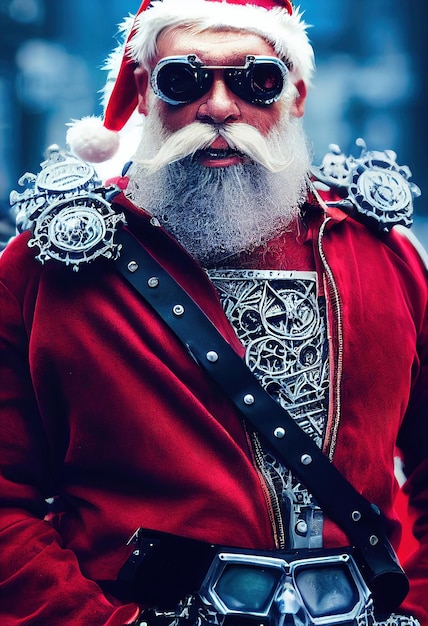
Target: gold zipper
[
  {"x": 336, "y": 368},
  {"x": 271, "y": 497},
  {"x": 272, "y": 500}
]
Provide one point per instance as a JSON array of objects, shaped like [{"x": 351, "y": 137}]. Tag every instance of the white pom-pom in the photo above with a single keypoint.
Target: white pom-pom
[{"x": 90, "y": 140}]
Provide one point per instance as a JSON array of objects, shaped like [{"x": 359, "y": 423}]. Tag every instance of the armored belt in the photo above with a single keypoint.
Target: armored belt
[{"x": 193, "y": 582}]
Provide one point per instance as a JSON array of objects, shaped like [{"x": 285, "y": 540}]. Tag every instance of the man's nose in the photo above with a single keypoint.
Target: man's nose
[{"x": 220, "y": 105}]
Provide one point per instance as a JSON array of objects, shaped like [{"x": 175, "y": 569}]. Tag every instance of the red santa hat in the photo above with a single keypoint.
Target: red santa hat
[{"x": 96, "y": 140}]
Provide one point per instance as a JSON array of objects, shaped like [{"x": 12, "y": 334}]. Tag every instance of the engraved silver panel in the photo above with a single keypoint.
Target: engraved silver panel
[{"x": 278, "y": 317}]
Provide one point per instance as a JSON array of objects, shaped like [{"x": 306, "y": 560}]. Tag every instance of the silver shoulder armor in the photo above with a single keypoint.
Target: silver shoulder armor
[
  {"x": 372, "y": 187},
  {"x": 67, "y": 211}
]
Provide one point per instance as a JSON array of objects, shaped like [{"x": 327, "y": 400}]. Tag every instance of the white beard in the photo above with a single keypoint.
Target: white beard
[{"x": 213, "y": 212}]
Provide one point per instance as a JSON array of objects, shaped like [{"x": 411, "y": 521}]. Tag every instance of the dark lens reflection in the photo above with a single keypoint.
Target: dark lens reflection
[
  {"x": 327, "y": 590},
  {"x": 183, "y": 83},
  {"x": 261, "y": 83},
  {"x": 267, "y": 78},
  {"x": 247, "y": 588}
]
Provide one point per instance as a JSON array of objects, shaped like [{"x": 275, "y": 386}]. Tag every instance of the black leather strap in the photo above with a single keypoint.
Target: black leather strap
[{"x": 361, "y": 521}]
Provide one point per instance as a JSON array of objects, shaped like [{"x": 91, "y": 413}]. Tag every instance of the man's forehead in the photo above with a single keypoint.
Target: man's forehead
[{"x": 214, "y": 46}]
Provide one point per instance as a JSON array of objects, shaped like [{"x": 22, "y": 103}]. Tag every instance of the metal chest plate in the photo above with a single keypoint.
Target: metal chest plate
[{"x": 280, "y": 320}]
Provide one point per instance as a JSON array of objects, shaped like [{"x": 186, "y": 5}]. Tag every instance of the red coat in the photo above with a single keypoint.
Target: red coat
[{"x": 102, "y": 405}]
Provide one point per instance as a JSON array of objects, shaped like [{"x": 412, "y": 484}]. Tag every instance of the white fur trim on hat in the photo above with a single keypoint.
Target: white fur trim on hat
[
  {"x": 287, "y": 33},
  {"x": 91, "y": 141}
]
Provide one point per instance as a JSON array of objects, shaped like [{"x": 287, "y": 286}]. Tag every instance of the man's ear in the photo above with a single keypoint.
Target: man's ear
[
  {"x": 142, "y": 81},
  {"x": 298, "y": 106}
]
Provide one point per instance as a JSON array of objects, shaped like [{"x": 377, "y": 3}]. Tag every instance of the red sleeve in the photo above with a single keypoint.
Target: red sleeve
[{"x": 40, "y": 582}]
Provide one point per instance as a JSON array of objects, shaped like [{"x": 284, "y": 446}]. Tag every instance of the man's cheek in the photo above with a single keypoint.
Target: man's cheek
[{"x": 174, "y": 118}]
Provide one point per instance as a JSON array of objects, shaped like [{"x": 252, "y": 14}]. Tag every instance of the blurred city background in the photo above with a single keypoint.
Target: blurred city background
[{"x": 370, "y": 81}]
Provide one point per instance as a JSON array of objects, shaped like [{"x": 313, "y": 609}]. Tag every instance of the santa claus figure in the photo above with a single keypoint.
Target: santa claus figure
[{"x": 212, "y": 351}]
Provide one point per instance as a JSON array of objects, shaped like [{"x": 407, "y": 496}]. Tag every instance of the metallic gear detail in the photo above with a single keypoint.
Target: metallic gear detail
[
  {"x": 372, "y": 186},
  {"x": 282, "y": 324},
  {"x": 193, "y": 612},
  {"x": 277, "y": 317},
  {"x": 76, "y": 231},
  {"x": 66, "y": 209}
]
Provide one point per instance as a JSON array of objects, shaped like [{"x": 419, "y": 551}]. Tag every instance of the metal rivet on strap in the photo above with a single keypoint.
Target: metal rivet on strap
[
  {"x": 376, "y": 509},
  {"x": 301, "y": 527},
  {"x": 356, "y": 516},
  {"x": 178, "y": 310},
  {"x": 279, "y": 432},
  {"x": 306, "y": 459},
  {"x": 373, "y": 540},
  {"x": 132, "y": 266},
  {"x": 249, "y": 399},
  {"x": 212, "y": 356},
  {"x": 153, "y": 282},
  {"x": 154, "y": 221}
]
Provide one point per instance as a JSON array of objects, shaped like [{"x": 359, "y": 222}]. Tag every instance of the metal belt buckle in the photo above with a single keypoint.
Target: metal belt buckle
[{"x": 312, "y": 591}]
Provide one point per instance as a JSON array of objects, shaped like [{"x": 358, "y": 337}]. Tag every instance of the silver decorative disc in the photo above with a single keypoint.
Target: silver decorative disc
[
  {"x": 77, "y": 230},
  {"x": 62, "y": 176},
  {"x": 65, "y": 175},
  {"x": 373, "y": 184},
  {"x": 383, "y": 195}
]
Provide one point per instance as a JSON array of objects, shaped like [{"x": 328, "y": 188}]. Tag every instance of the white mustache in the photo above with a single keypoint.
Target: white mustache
[{"x": 197, "y": 136}]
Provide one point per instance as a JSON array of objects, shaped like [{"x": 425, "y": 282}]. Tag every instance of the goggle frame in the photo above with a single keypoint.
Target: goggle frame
[
  {"x": 288, "y": 571},
  {"x": 203, "y": 78}
]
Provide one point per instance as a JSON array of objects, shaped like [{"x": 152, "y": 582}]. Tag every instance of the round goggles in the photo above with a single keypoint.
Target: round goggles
[
  {"x": 322, "y": 591},
  {"x": 183, "y": 79}
]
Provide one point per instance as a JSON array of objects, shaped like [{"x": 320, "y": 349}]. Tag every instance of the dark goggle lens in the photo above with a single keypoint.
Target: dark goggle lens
[
  {"x": 181, "y": 83},
  {"x": 247, "y": 588},
  {"x": 262, "y": 83},
  {"x": 328, "y": 590}
]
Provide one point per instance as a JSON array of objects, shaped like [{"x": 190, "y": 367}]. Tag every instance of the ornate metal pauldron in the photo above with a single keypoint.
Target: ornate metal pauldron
[
  {"x": 372, "y": 186},
  {"x": 68, "y": 211}
]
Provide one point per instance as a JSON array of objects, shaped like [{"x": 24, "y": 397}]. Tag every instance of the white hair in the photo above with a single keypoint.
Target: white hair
[{"x": 286, "y": 33}]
